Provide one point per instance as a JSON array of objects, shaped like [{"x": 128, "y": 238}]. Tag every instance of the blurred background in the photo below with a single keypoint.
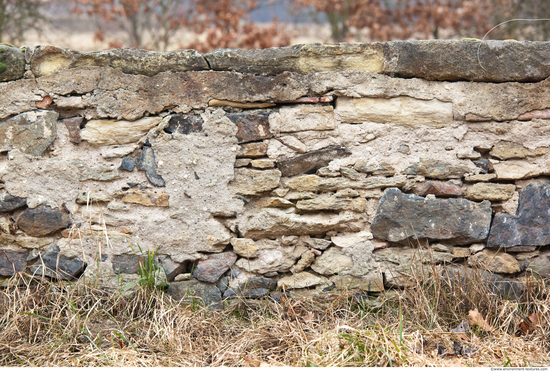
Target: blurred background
[{"x": 206, "y": 25}]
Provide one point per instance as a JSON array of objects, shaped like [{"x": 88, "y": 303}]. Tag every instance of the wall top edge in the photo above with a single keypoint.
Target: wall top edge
[{"x": 441, "y": 60}]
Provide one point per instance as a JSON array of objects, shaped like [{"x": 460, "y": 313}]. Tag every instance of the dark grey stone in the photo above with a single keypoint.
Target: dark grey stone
[
  {"x": 184, "y": 124},
  {"x": 207, "y": 293},
  {"x": 10, "y": 259},
  {"x": 12, "y": 63},
  {"x": 146, "y": 161},
  {"x": 127, "y": 264},
  {"x": 404, "y": 218},
  {"x": 54, "y": 265},
  {"x": 530, "y": 225},
  {"x": 223, "y": 284},
  {"x": 211, "y": 269},
  {"x": 310, "y": 162},
  {"x": 460, "y": 277},
  {"x": 259, "y": 283},
  {"x": 127, "y": 164},
  {"x": 171, "y": 268},
  {"x": 251, "y": 126},
  {"x": 437, "y": 169},
  {"x": 9, "y": 202},
  {"x": 31, "y": 132},
  {"x": 42, "y": 221},
  {"x": 485, "y": 165},
  {"x": 540, "y": 266},
  {"x": 232, "y": 293}
]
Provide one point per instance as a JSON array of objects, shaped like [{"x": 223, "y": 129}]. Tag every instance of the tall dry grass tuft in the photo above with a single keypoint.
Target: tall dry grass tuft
[{"x": 61, "y": 324}]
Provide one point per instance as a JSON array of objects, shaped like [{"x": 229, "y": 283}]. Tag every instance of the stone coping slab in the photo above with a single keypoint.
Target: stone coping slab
[{"x": 442, "y": 60}]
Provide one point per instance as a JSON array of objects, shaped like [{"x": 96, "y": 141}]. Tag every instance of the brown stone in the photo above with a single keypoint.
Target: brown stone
[
  {"x": 211, "y": 269},
  {"x": 146, "y": 198},
  {"x": 310, "y": 162},
  {"x": 251, "y": 127},
  {"x": 439, "y": 189},
  {"x": 490, "y": 191},
  {"x": 42, "y": 221},
  {"x": 497, "y": 262},
  {"x": 252, "y": 150},
  {"x": 436, "y": 169},
  {"x": 535, "y": 114},
  {"x": 252, "y": 182},
  {"x": 73, "y": 126},
  {"x": 45, "y": 102}
]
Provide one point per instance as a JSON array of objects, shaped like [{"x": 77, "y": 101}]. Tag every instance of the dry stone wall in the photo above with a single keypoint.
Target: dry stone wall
[{"x": 345, "y": 165}]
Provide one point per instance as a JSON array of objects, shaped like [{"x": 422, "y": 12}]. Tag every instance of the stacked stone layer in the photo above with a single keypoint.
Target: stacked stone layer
[{"x": 248, "y": 171}]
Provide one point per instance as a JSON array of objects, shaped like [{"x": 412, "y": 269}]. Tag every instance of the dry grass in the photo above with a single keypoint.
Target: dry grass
[{"x": 59, "y": 324}]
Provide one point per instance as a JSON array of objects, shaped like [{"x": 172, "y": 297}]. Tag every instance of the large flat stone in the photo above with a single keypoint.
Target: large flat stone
[
  {"x": 31, "y": 132},
  {"x": 50, "y": 59},
  {"x": 451, "y": 60},
  {"x": 252, "y": 126},
  {"x": 275, "y": 222},
  {"x": 436, "y": 169},
  {"x": 314, "y": 183},
  {"x": 310, "y": 162},
  {"x": 12, "y": 261},
  {"x": 490, "y": 191},
  {"x": 530, "y": 225},
  {"x": 253, "y": 182},
  {"x": 302, "y": 118},
  {"x": 405, "y": 218},
  {"x": 42, "y": 221},
  {"x": 12, "y": 63},
  {"x": 494, "y": 261},
  {"x": 108, "y": 132},
  {"x": 516, "y": 169},
  {"x": 400, "y": 111},
  {"x": 302, "y": 59}
]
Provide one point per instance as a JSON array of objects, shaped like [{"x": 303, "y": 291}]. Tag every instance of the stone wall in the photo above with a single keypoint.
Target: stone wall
[{"x": 340, "y": 165}]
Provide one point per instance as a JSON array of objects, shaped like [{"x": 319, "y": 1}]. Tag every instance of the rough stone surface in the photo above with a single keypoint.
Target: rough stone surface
[
  {"x": 333, "y": 261},
  {"x": 275, "y": 222},
  {"x": 184, "y": 124},
  {"x": 436, "y": 169},
  {"x": 251, "y": 127},
  {"x": 400, "y": 111},
  {"x": 172, "y": 268},
  {"x": 252, "y": 182},
  {"x": 12, "y": 63},
  {"x": 126, "y": 264},
  {"x": 497, "y": 262},
  {"x": 101, "y": 173},
  {"x": 272, "y": 257},
  {"x": 9, "y": 202},
  {"x": 402, "y": 218},
  {"x": 252, "y": 150},
  {"x": 309, "y": 163},
  {"x": 541, "y": 265},
  {"x": 516, "y": 169},
  {"x": 490, "y": 191},
  {"x": 211, "y": 269},
  {"x": 302, "y": 118},
  {"x": 73, "y": 126},
  {"x": 530, "y": 225},
  {"x": 245, "y": 247},
  {"x": 146, "y": 198},
  {"x": 57, "y": 266},
  {"x": 102, "y": 132},
  {"x": 31, "y": 132},
  {"x": 146, "y": 161},
  {"x": 303, "y": 59},
  {"x": 127, "y": 164},
  {"x": 331, "y": 203},
  {"x": 305, "y": 261},
  {"x": 90, "y": 197},
  {"x": 42, "y": 221},
  {"x": 439, "y": 189},
  {"x": 50, "y": 59},
  {"x": 207, "y": 294},
  {"x": 12, "y": 261},
  {"x": 314, "y": 183},
  {"x": 373, "y": 282},
  {"x": 302, "y": 280},
  {"x": 247, "y": 293}
]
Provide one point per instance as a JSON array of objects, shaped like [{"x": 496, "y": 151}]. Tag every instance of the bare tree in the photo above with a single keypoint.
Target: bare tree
[{"x": 19, "y": 16}]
